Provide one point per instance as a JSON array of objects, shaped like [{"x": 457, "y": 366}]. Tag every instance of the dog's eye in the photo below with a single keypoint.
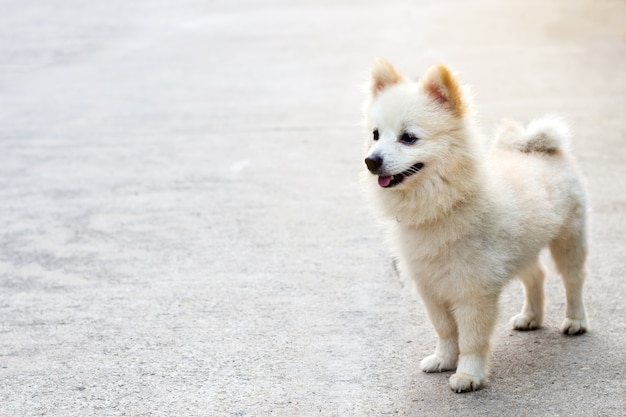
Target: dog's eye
[
  {"x": 375, "y": 134},
  {"x": 408, "y": 139}
]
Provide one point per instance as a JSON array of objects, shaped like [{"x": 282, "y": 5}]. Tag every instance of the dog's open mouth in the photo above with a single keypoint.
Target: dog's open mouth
[{"x": 387, "y": 181}]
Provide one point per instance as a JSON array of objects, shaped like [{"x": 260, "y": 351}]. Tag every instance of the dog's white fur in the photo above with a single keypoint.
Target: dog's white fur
[{"x": 474, "y": 216}]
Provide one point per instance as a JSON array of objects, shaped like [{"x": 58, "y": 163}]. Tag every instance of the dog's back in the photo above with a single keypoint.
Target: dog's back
[{"x": 535, "y": 163}]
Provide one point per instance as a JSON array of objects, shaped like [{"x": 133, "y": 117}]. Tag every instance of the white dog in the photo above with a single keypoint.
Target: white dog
[{"x": 464, "y": 219}]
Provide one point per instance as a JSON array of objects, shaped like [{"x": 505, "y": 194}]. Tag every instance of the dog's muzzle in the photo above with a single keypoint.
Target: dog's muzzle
[{"x": 374, "y": 164}]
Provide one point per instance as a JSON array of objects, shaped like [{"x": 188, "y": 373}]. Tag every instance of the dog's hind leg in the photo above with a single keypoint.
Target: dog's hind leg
[
  {"x": 569, "y": 251},
  {"x": 531, "y": 316}
]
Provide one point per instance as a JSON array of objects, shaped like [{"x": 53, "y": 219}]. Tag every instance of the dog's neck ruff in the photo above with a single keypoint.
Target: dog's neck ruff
[{"x": 429, "y": 204}]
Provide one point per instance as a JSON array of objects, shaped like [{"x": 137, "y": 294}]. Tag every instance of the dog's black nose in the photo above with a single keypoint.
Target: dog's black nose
[{"x": 374, "y": 163}]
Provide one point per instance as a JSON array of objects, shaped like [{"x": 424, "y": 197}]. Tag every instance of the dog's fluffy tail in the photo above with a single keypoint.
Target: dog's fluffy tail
[{"x": 547, "y": 135}]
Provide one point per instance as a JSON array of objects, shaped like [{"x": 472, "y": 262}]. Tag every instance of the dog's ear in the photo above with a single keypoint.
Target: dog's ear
[
  {"x": 383, "y": 75},
  {"x": 442, "y": 86}
]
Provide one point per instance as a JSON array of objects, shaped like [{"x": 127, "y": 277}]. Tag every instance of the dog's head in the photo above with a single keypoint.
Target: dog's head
[{"x": 413, "y": 127}]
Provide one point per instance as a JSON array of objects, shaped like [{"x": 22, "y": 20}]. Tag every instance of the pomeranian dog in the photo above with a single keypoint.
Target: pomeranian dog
[{"x": 466, "y": 217}]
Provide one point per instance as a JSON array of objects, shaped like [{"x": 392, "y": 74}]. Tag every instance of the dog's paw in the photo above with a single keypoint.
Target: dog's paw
[
  {"x": 573, "y": 326},
  {"x": 460, "y": 382},
  {"x": 436, "y": 363},
  {"x": 525, "y": 321}
]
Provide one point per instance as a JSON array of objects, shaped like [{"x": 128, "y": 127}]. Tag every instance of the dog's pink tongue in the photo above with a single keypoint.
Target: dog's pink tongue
[{"x": 384, "y": 180}]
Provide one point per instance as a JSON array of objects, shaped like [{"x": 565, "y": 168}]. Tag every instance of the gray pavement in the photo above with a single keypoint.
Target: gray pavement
[{"x": 182, "y": 229}]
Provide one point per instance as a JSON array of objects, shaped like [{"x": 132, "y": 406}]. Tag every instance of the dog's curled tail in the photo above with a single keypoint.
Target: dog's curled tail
[{"x": 547, "y": 135}]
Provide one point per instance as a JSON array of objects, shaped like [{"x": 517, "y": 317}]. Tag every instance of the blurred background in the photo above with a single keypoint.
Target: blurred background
[{"x": 182, "y": 228}]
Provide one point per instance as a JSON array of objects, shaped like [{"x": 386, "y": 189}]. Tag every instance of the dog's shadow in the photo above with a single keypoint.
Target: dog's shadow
[
  {"x": 540, "y": 363},
  {"x": 541, "y": 358}
]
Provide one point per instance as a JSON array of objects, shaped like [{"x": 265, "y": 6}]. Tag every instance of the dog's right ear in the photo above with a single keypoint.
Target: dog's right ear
[{"x": 383, "y": 75}]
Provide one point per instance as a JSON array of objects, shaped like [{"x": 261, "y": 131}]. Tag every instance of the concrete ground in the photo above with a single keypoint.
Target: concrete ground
[{"x": 182, "y": 229}]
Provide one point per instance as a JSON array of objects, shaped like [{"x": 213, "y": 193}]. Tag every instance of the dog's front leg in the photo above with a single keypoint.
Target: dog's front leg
[
  {"x": 447, "y": 351},
  {"x": 475, "y": 321}
]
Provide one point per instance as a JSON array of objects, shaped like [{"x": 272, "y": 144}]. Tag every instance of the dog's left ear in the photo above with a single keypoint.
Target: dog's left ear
[
  {"x": 383, "y": 75},
  {"x": 441, "y": 85}
]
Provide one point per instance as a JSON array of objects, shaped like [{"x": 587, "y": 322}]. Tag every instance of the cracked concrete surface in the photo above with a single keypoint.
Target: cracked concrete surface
[{"x": 182, "y": 230}]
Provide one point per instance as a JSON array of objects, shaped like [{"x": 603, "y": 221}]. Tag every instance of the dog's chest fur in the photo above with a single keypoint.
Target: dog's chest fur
[{"x": 448, "y": 258}]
